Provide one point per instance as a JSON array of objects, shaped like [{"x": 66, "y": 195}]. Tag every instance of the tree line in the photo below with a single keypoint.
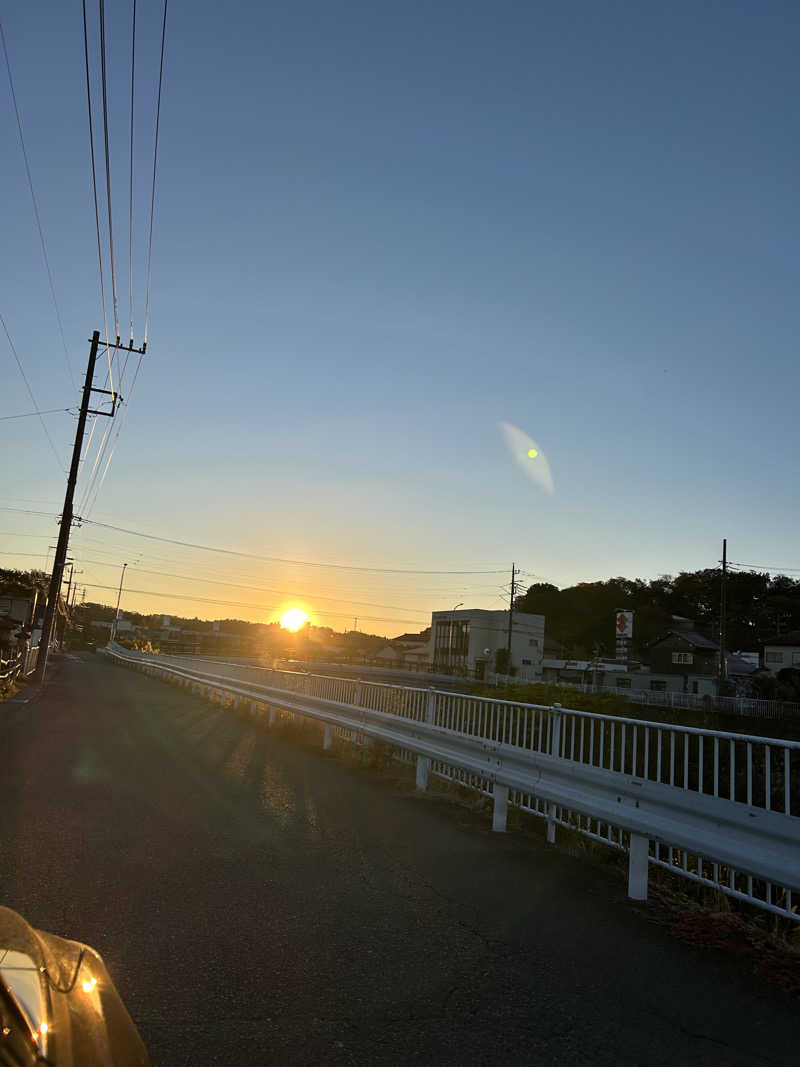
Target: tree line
[{"x": 580, "y": 618}]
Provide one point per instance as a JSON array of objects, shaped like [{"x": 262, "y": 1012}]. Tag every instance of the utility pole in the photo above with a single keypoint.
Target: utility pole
[
  {"x": 71, "y": 563},
  {"x": 723, "y": 610},
  {"x": 511, "y": 615},
  {"x": 67, "y": 513},
  {"x": 71, "y": 607},
  {"x": 119, "y": 597}
]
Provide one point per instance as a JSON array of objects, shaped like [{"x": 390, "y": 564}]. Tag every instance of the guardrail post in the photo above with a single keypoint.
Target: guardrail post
[
  {"x": 555, "y": 750},
  {"x": 555, "y": 733},
  {"x": 272, "y": 715},
  {"x": 327, "y": 739},
  {"x": 423, "y": 762},
  {"x": 423, "y": 772},
  {"x": 638, "y": 853},
  {"x": 500, "y": 813},
  {"x": 357, "y": 700}
]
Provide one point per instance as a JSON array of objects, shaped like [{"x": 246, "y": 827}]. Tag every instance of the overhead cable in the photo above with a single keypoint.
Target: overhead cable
[
  {"x": 278, "y": 559},
  {"x": 251, "y": 607},
  {"x": 108, "y": 165},
  {"x": 763, "y": 567},
  {"x": 153, "y": 191},
  {"x": 33, "y": 414},
  {"x": 94, "y": 193},
  {"x": 130, "y": 207},
  {"x": 239, "y": 585},
  {"x": 30, "y": 393},
  {"x": 248, "y": 555},
  {"x": 36, "y": 213}
]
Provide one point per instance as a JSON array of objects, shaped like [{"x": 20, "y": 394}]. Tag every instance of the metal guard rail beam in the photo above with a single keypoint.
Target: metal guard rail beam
[{"x": 763, "y": 843}]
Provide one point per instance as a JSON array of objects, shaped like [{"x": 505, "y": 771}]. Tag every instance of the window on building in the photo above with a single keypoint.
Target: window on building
[
  {"x": 774, "y": 657},
  {"x": 451, "y": 642},
  {"x": 796, "y": 659},
  {"x": 623, "y": 683},
  {"x": 658, "y": 686},
  {"x": 526, "y": 663},
  {"x": 682, "y": 657},
  {"x": 533, "y": 643}
]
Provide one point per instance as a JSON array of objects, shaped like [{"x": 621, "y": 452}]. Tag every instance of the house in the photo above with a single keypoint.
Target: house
[
  {"x": 688, "y": 655},
  {"x": 782, "y": 652},
  {"x": 416, "y": 657},
  {"x": 474, "y": 642},
  {"x": 17, "y": 609},
  {"x": 389, "y": 656}
]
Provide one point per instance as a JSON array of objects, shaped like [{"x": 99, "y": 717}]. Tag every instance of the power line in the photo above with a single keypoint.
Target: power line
[
  {"x": 300, "y": 595},
  {"x": 116, "y": 435},
  {"x": 250, "y": 555},
  {"x": 240, "y": 604},
  {"x": 278, "y": 559},
  {"x": 30, "y": 393},
  {"x": 94, "y": 192},
  {"x": 108, "y": 166},
  {"x": 153, "y": 192},
  {"x": 239, "y": 585},
  {"x": 36, "y": 212},
  {"x": 764, "y": 567},
  {"x": 130, "y": 208},
  {"x": 33, "y": 414}
]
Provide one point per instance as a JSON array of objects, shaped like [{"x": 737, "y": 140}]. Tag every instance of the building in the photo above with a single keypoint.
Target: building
[
  {"x": 782, "y": 652},
  {"x": 688, "y": 655},
  {"x": 473, "y": 642}
]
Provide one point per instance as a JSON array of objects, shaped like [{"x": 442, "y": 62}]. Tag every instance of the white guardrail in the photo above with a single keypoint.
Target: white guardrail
[{"x": 722, "y": 809}]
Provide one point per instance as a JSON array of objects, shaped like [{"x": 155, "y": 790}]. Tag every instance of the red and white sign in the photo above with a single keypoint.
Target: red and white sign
[{"x": 624, "y": 624}]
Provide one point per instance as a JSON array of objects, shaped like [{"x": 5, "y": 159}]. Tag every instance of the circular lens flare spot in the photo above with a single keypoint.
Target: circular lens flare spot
[{"x": 533, "y": 453}]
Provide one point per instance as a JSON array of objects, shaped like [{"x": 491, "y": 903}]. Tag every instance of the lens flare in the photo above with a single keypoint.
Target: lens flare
[{"x": 528, "y": 456}]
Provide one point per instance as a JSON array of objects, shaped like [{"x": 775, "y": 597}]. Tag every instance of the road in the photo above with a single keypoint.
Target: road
[{"x": 259, "y": 901}]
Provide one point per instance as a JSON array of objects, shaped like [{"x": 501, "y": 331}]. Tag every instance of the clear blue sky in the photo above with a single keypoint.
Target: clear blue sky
[{"x": 383, "y": 228}]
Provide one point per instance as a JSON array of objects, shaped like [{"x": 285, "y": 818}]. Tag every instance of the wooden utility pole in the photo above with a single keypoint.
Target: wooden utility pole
[
  {"x": 723, "y": 611},
  {"x": 511, "y": 615},
  {"x": 115, "y": 624},
  {"x": 67, "y": 513}
]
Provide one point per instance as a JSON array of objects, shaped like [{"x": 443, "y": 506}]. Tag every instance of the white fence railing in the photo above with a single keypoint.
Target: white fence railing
[{"x": 719, "y": 808}]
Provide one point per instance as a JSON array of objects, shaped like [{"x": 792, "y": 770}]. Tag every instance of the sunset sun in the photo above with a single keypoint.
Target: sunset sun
[{"x": 293, "y": 619}]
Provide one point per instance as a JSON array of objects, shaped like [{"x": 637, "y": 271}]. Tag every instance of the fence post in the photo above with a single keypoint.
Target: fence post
[
  {"x": 555, "y": 735},
  {"x": 327, "y": 737},
  {"x": 638, "y": 852},
  {"x": 424, "y": 762},
  {"x": 555, "y": 750},
  {"x": 272, "y": 715},
  {"x": 500, "y": 813}
]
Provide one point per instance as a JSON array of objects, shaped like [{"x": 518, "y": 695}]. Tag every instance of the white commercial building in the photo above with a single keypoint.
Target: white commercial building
[{"x": 467, "y": 642}]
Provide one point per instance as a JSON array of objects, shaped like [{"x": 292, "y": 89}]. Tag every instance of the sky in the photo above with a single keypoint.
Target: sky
[{"x": 381, "y": 231}]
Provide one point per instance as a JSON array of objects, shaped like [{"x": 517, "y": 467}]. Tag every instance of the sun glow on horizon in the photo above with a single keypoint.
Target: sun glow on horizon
[{"x": 293, "y": 619}]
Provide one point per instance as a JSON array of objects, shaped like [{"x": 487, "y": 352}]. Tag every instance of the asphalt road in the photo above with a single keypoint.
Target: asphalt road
[{"x": 259, "y": 902}]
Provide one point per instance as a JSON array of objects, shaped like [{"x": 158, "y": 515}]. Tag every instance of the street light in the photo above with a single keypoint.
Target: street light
[{"x": 119, "y": 597}]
